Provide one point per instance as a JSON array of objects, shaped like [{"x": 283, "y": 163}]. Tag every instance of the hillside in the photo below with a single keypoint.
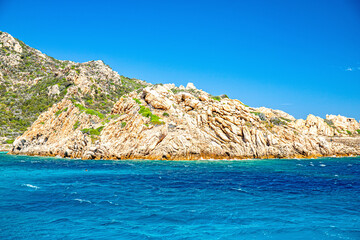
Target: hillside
[
  {"x": 31, "y": 82},
  {"x": 86, "y": 110}
]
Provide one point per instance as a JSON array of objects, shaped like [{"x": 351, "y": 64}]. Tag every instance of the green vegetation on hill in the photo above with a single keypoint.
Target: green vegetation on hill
[
  {"x": 102, "y": 99},
  {"x": 154, "y": 119},
  {"x": 25, "y": 87},
  {"x": 260, "y": 115},
  {"x": 92, "y": 131},
  {"x": 24, "y": 90}
]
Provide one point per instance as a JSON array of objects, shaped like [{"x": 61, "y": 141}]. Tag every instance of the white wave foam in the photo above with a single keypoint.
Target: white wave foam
[
  {"x": 110, "y": 202},
  {"x": 322, "y": 165},
  {"x": 30, "y": 186},
  {"x": 240, "y": 190},
  {"x": 82, "y": 200}
]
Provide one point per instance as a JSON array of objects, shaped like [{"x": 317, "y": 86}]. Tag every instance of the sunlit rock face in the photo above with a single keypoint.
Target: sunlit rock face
[{"x": 165, "y": 122}]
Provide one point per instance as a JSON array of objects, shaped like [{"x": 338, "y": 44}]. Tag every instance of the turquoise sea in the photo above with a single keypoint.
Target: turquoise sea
[{"x": 54, "y": 198}]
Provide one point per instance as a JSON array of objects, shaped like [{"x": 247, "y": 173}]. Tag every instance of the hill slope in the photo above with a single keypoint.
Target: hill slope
[
  {"x": 31, "y": 82},
  {"x": 86, "y": 110}
]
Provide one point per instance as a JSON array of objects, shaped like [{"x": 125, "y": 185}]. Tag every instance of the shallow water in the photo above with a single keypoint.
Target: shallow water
[{"x": 53, "y": 198}]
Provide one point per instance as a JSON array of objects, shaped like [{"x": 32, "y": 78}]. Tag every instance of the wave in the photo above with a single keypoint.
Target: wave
[
  {"x": 109, "y": 202},
  {"x": 82, "y": 200},
  {"x": 30, "y": 186},
  {"x": 241, "y": 190}
]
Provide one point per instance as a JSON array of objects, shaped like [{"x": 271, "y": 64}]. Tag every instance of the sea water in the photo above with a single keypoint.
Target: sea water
[{"x": 54, "y": 198}]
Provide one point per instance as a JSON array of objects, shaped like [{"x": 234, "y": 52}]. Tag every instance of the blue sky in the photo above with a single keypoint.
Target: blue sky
[{"x": 298, "y": 56}]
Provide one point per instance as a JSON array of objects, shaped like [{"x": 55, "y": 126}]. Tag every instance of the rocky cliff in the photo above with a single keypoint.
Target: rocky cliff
[
  {"x": 165, "y": 122},
  {"x": 86, "y": 110}
]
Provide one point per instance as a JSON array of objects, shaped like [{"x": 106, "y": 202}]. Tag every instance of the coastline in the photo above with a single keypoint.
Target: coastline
[{"x": 189, "y": 158}]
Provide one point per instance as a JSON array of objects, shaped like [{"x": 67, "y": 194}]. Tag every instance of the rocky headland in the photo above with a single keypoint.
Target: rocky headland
[{"x": 94, "y": 113}]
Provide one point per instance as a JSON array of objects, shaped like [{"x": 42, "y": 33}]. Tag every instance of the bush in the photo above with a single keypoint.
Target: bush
[
  {"x": 95, "y": 113},
  {"x": 92, "y": 131},
  {"x": 123, "y": 124},
  {"x": 260, "y": 115},
  {"x": 165, "y": 114},
  {"x": 10, "y": 141},
  {"x": 285, "y": 119},
  {"x": 144, "y": 111},
  {"x": 348, "y": 132},
  {"x": 358, "y": 131},
  {"x": 224, "y": 96},
  {"x": 277, "y": 121},
  {"x": 154, "y": 119},
  {"x": 80, "y": 107},
  {"x": 329, "y": 122},
  {"x": 61, "y": 111},
  {"x": 216, "y": 98},
  {"x": 137, "y": 101},
  {"x": 89, "y": 111},
  {"x": 76, "y": 125},
  {"x": 114, "y": 116}
]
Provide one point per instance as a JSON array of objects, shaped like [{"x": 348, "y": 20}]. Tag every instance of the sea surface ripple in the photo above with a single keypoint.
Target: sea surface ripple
[{"x": 52, "y": 198}]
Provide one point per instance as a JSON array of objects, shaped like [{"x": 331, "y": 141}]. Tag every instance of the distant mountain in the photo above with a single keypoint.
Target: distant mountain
[{"x": 86, "y": 110}]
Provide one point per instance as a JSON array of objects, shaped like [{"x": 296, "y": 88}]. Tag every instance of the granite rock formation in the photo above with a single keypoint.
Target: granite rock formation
[{"x": 163, "y": 122}]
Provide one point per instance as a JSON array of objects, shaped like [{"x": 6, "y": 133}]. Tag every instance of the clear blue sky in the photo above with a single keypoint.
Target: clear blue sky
[{"x": 298, "y": 56}]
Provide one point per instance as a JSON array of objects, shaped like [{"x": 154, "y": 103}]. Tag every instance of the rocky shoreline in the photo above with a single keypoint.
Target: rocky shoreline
[
  {"x": 5, "y": 147},
  {"x": 165, "y": 122}
]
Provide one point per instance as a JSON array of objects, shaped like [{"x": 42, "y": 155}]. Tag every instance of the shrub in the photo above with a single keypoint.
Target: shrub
[
  {"x": 277, "y": 121},
  {"x": 144, "y": 111},
  {"x": 329, "y": 122},
  {"x": 92, "y": 131},
  {"x": 216, "y": 98},
  {"x": 89, "y": 111},
  {"x": 348, "y": 132},
  {"x": 61, "y": 111},
  {"x": 175, "y": 91},
  {"x": 123, "y": 124},
  {"x": 260, "y": 115},
  {"x": 244, "y": 104},
  {"x": 137, "y": 101},
  {"x": 114, "y": 116},
  {"x": 154, "y": 119},
  {"x": 95, "y": 113},
  {"x": 165, "y": 114},
  {"x": 80, "y": 107},
  {"x": 358, "y": 131},
  {"x": 285, "y": 119},
  {"x": 10, "y": 141},
  {"x": 76, "y": 125}
]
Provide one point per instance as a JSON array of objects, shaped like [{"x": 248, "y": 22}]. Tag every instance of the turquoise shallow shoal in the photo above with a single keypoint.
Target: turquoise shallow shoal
[{"x": 54, "y": 198}]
